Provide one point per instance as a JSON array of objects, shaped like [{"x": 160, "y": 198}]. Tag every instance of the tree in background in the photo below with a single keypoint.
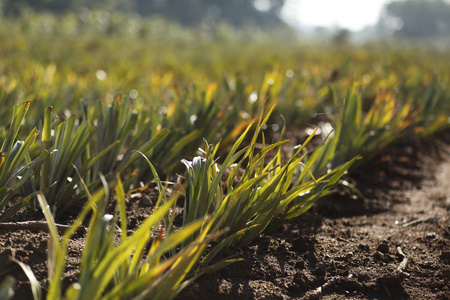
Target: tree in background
[
  {"x": 236, "y": 12},
  {"x": 416, "y": 18},
  {"x": 15, "y": 7},
  {"x": 261, "y": 13}
]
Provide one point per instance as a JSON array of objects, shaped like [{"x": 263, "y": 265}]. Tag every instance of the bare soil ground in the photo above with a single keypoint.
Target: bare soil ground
[{"x": 391, "y": 244}]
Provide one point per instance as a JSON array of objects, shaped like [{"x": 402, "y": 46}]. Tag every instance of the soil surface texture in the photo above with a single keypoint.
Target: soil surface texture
[{"x": 391, "y": 243}]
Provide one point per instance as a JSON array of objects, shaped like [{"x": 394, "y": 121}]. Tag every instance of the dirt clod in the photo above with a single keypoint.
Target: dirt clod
[
  {"x": 383, "y": 247},
  {"x": 445, "y": 256},
  {"x": 303, "y": 244}
]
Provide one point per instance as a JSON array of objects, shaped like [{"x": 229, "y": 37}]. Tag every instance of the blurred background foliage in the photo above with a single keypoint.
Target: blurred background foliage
[
  {"x": 399, "y": 18},
  {"x": 417, "y": 18},
  {"x": 187, "y": 12}
]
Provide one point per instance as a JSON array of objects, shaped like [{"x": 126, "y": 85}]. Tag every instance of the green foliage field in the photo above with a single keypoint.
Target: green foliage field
[{"x": 104, "y": 104}]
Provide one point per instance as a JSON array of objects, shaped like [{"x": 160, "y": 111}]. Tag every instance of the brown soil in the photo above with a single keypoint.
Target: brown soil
[{"x": 391, "y": 244}]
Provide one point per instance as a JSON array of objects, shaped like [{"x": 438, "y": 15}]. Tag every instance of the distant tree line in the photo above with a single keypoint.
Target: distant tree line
[
  {"x": 417, "y": 18},
  {"x": 260, "y": 13},
  {"x": 406, "y": 18}
]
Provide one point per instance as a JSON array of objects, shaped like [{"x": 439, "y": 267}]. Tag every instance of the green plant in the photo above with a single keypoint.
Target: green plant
[
  {"x": 15, "y": 166},
  {"x": 142, "y": 264},
  {"x": 58, "y": 178},
  {"x": 190, "y": 118},
  {"x": 359, "y": 133},
  {"x": 266, "y": 189}
]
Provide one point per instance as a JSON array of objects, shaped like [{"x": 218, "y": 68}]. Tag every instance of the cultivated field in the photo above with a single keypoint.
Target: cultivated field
[{"x": 138, "y": 156}]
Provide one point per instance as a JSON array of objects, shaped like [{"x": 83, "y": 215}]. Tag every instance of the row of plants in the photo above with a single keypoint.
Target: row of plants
[
  {"x": 263, "y": 192},
  {"x": 260, "y": 188},
  {"x": 92, "y": 143}
]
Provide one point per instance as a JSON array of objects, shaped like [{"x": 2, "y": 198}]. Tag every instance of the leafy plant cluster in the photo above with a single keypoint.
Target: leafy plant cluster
[{"x": 99, "y": 121}]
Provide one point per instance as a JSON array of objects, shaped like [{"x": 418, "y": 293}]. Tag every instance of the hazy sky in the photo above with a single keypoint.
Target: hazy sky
[{"x": 350, "y": 14}]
